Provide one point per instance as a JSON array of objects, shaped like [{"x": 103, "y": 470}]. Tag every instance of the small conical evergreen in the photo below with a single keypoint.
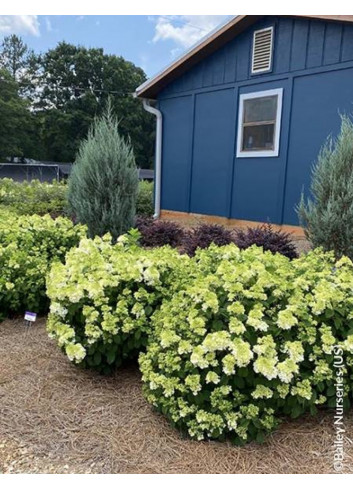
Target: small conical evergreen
[
  {"x": 328, "y": 217},
  {"x": 104, "y": 181}
]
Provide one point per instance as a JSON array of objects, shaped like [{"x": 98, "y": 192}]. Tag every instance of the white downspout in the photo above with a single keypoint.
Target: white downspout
[{"x": 158, "y": 163}]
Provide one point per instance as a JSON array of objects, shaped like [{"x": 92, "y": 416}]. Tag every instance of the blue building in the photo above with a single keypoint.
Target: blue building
[{"x": 243, "y": 114}]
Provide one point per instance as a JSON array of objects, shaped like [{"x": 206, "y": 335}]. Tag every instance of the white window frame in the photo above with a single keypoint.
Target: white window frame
[
  {"x": 262, "y": 153},
  {"x": 265, "y": 70}
]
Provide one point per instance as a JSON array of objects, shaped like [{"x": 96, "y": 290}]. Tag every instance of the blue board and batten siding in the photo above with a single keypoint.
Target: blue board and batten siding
[{"x": 312, "y": 63}]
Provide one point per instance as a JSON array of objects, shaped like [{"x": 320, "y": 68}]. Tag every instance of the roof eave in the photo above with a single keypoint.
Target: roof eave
[
  {"x": 209, "y": 45},
  {"x": 204, "y": 48}
]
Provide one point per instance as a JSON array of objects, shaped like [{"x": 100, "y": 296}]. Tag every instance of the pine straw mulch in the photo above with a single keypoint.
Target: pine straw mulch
[{"x": 56, "y": 418}]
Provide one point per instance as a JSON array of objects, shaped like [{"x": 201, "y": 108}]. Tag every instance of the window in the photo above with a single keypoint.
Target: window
[
  {"x": 262, "y": 50},
  {"x": 259, "y": 123}
]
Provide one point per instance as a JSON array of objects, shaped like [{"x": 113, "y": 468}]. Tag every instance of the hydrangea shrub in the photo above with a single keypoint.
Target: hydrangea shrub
[
  {"x": 40, "y": 234},
  {"x": 28, "y": 245},
  {"x": 103, "y": 298},
  {"x": 251, "y": 339}
]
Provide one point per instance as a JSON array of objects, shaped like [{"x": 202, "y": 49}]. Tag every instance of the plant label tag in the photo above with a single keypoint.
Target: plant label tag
[{"x": 30, "y": 316}]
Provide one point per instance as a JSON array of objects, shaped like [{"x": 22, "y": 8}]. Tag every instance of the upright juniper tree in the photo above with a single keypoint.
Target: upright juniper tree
[
  {"x": 104, "y": 181},
  {"x": 327, "y": 217}
]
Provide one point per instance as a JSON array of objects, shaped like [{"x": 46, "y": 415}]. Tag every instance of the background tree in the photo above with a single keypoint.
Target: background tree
[
  {"x": 328, "y": 216},
  {"x": 21, "y": 63},
  {"x": 14, "y": 55},
  {"x": 16, "y": 122},
  {"x": 103, "y": 184},
  {"x": 76, "y": 83},
  {"x": 64, "y": 89},
  {"x": 20, "y": 127}
]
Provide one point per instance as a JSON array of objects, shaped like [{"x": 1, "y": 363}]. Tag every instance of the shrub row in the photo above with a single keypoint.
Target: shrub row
[
  {"x": 231, "y": 340},
  {"x": 28, "y": 245},
  {"x": 144, "y": 203},
  {"x": 40, "y": 198},
  {"x": 33, "y": 197},
  {"x": 160, "y": 233}
]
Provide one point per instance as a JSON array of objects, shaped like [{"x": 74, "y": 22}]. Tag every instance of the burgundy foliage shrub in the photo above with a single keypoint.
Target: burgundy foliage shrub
[
  {"x": 159, "y": 233},
  {"x": 202, "y": 236},
  {"x": 268, "y": 238}
]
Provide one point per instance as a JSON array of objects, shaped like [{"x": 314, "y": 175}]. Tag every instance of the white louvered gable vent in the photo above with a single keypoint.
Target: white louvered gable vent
[{"x": 262, "y": 50}]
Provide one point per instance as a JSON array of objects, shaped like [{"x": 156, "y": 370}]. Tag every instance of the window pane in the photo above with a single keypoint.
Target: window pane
[
  {"x": 260, "y": 109},
  {"x": 256, "y": 138}
]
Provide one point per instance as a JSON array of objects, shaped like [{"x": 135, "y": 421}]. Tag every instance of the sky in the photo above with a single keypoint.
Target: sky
[{"x": 150, "y": 42}]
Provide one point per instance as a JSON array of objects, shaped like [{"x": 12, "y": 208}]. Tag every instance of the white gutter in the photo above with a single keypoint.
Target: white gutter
[{"x": 158, "y": 160}]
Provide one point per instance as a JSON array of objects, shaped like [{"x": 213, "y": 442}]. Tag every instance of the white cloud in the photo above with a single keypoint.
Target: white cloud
[
  {"x": 185, "y": 30},
  {"x": 48, "y": 25},
  {"x": 19, "y": 24}
]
